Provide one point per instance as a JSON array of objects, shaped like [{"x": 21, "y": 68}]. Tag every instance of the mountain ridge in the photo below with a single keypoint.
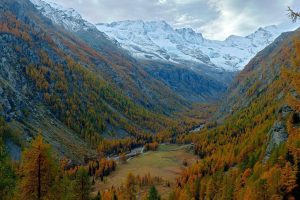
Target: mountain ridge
[{"x": 163, "y": 42}]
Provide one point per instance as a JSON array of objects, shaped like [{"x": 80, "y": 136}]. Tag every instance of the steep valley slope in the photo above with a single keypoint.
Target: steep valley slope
[
  {"x": 253, "y": 153},
  {"x": 53, "y": 81}
]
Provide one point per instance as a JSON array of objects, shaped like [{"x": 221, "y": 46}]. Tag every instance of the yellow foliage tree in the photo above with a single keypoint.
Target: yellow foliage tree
[
  {"x": 130, "y": 187},
  {"x": 37, "y": 170},
  {"x": 288, "y": 178}
]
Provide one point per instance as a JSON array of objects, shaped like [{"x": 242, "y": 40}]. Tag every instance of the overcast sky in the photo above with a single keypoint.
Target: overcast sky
[{"x": 215, "y": 19}]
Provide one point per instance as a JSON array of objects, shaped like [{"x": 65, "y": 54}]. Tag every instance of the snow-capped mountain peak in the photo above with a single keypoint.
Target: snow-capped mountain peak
[
  {"x": 66, "y": 17},
  {"x": 158, "y": 40},
  {"x": 190, "y": 35}
]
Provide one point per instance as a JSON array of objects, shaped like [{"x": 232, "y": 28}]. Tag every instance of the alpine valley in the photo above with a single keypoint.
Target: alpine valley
[{"x": 142, "y": 110}]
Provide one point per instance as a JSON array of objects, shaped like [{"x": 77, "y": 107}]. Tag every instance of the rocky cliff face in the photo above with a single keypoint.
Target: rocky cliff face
[{"x": 277, "y": 135}]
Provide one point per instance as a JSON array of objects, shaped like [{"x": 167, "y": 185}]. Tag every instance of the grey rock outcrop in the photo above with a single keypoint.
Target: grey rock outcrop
[
  {"x": 277, "y": 135},
  {"x": 285, "y": 110}
]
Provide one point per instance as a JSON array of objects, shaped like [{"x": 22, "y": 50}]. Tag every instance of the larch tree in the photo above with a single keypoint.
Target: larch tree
[
  {"x": 37, "y": 171},
  {"x": 130, "y": 187},
  {"x": 197, "y": 189},
  {"x": 288, "y": 178}
]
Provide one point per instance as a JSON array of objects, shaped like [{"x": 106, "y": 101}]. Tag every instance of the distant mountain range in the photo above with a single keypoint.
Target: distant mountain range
[
  {"x": 158, "y": 40},
  {"x": 193, "y": 67}
]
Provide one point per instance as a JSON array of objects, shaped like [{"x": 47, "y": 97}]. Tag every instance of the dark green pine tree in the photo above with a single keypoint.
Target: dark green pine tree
[{"x": 153, "y": 194}]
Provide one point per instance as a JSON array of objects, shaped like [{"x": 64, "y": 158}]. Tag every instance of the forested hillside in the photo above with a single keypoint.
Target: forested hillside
[
  {"x": 53, "y": 81},
  {"x": 254, "y": 153}
]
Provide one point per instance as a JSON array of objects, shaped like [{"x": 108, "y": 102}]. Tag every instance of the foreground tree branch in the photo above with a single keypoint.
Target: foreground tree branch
[{"x": 293, "y": 15}]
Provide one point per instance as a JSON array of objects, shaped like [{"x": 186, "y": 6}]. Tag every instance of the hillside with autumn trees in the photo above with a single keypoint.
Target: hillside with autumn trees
[
  {"x": 51, "y": 80},
  {"x": 254, "y": 152},
  {"x": 74, "y": 113}
]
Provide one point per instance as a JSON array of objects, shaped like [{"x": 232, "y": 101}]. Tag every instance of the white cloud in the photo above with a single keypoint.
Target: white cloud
[
  {"x": 162, "y": 1},
  {"x": 242, "y": 17}
]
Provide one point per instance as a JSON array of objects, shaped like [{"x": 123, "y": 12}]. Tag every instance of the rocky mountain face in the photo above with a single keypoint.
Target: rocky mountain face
[
  {"x": 202, "y": 85},
  {"x": 157, "y": 40}
]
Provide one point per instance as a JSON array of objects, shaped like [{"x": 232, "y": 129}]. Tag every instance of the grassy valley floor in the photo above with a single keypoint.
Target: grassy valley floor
[{"x": 166, "y": 162}]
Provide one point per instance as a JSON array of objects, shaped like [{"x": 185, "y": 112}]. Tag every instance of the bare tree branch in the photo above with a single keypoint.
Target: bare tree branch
[{"x": 293, "y": 15}]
